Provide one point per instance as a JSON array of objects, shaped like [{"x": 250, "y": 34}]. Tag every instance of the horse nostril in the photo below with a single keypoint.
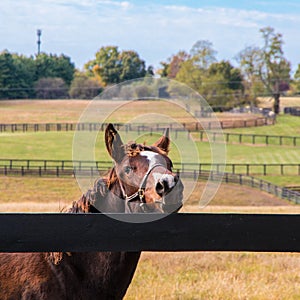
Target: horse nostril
[{"x": 160, "y": 188}]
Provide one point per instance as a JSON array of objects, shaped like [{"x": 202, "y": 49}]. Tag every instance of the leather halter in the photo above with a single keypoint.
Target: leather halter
[{"x": 140, "y": 193}]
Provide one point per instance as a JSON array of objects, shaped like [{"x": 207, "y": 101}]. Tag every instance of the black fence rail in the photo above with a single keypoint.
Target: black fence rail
[
  {"x": 294, "y": 111},
  {"x": 260, "y": 184},
  {"x": 175, "y": 232},
  {"x": 52, "y": 168},
  {"x": 67, "y": 168},
  {"x": 94, "y": 126},
  {"x": 40, "y": 167},
  {"x": 285, "y": 193},
  {"x": 190, "y": 128},
  {"x": 62, "y": 168},
  {"x": 260, "y": 169},
  {"x": 254, "y": 139}
]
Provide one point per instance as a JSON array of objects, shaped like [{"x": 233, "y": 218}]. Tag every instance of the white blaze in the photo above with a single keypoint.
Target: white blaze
[
  {"x": 152, "y": 157},
  {"x": 155, "y": 158}
]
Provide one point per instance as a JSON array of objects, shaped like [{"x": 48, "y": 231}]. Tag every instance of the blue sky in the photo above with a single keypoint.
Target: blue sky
[{"x": 155, "y": 29}]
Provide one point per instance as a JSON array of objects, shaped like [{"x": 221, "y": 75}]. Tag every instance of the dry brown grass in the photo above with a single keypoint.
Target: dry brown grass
[
  {"x": 216, "y": 276},
  {"x": 236, "y": 195},
  {"x": 29, "y": 194},
  {"x": 41, "y": 111},
  {"x": 36, "y": 194},
  {"x": 284, "y": 102},
  {"x": 55, "y": 111}
]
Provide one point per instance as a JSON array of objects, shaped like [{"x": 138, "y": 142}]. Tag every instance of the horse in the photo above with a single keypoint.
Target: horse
[{"x": 140, "y": 181}]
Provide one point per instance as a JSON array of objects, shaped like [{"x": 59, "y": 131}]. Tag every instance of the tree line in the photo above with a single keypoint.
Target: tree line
[{"x": 258, "y": 71}]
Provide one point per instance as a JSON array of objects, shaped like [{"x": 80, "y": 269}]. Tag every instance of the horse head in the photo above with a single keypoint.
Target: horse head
[{"x": 142, "y": 175}]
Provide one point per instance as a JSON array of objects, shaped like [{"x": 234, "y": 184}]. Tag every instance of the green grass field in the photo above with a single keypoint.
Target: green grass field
[
  {"x": 58, "y": 145},
  {"x": 285, "y": 125}
]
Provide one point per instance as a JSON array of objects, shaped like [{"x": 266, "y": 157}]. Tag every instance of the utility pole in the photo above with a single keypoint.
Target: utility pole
[{"x": 39, "y": 33}]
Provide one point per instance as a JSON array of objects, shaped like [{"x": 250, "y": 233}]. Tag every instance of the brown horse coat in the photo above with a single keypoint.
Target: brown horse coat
[{"x": 86, "y": 276}]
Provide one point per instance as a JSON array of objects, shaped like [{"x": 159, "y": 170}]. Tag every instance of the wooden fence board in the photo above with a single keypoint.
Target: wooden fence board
[{"x": 176, "y": 232}]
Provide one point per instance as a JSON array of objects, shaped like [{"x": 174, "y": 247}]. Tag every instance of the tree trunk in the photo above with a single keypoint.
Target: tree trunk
[{"x": 276, "y": 106}]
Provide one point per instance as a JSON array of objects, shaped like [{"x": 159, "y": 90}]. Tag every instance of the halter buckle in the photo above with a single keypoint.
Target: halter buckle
[{"x": 141, "y": 193}]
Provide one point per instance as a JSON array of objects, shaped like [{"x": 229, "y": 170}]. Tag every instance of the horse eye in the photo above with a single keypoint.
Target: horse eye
[{"x": 127, "y": 169}]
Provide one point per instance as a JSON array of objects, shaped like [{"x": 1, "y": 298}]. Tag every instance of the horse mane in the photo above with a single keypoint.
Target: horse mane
[
  {"x": 133, "y": 149},
  {"x": 85, "y": 204}
]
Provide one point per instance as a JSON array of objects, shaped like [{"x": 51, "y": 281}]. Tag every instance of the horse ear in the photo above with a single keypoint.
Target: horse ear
[
  {"x": 114, "y": 144},
  {"x": 164, "y": 142}
]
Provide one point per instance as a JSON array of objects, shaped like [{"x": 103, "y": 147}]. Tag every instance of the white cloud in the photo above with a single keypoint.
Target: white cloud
[{"x": 123, "y": 4}]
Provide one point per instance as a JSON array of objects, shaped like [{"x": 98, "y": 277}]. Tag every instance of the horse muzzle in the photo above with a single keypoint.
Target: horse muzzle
[{"x": 171, "y": 193}]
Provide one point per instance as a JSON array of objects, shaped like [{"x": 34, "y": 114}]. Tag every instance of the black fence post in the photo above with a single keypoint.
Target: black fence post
[
  {"x": 227, "y": 137},
  {"x": 247, "y": 169},
  {"x": 201, "y": 135}
]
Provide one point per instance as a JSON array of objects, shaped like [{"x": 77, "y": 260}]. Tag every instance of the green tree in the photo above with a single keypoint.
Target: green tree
[
  {"x": 203, "y": 54},
  {"x": 131, "y": 66},
  {"x": 112, "y": 66},
  {"x": 25, "y": 75},
  {"x": 296, "y": 82},
  {"x": 16, "y": 76},
  {"x": 7, "y": 76},
  {"x": 84, "y": 87},
  {"x": 51, "y": 65},
  {"x": 223, "y": 85},
  {"x": 191, "y": 75},
  {"x": 267, "y": 64},
  {"x": 219, "y": 82},
  {"x": 172, "y": 66},
  {"x": 193, "y": 70}
]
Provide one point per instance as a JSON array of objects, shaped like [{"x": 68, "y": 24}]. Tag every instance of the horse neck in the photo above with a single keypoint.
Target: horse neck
[
  {"x": 112, "y": 202},
  {"x": 108, "y": 274}
]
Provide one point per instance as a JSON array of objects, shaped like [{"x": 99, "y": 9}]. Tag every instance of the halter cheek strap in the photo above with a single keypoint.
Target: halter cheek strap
[{"x": 140, "y": 194}]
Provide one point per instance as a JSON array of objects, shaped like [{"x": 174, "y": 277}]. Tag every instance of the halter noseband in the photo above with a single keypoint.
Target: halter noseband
[{"x": 140, "y": 193}]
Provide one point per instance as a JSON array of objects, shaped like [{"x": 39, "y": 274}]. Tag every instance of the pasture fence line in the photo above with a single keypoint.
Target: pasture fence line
[
  {"x": 94, "y": 126},
  {"x": 60, "y": 168},
  {"x": 290, "y": 194},
  {"x": 260, "y": 184},
  {"x": 294, "y": 111},
  {"x": 67, "y": 168},
  {"x": 253, "y": 139},
  {"x": 191, "y": 130}
]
